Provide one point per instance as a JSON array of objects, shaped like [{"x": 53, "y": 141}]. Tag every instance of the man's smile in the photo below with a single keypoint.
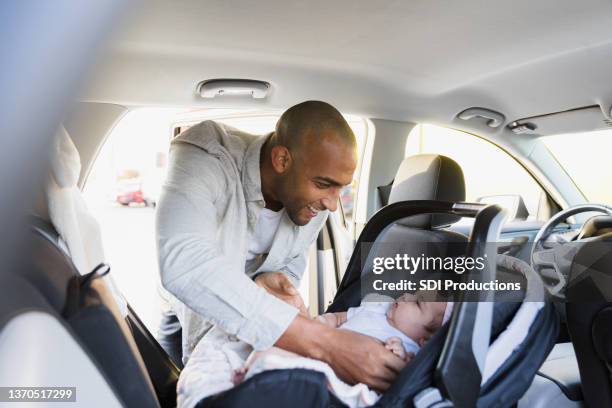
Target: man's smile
[{"x": 313, "y": 211}]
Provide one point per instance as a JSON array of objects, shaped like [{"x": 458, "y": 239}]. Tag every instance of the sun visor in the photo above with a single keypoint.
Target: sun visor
[{"x": 576, "y": 120}]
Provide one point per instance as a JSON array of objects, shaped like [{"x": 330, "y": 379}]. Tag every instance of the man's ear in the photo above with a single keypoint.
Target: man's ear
[{"x": 281, "y": 159}]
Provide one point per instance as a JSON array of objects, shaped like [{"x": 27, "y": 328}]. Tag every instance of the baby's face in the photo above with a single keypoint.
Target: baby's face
[{"x": 415, "y": 318}]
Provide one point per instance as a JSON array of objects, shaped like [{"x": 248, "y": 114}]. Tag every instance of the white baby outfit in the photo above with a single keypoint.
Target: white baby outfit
[{"x": 371, "y": 319}]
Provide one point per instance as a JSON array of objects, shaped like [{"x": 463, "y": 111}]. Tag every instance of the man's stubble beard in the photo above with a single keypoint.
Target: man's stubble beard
[{"x": 286, "y": 199}]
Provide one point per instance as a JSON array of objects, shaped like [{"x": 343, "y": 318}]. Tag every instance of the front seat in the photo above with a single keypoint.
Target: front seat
[
  {"x": 589, "y": 314},
  {"x": 66, "y": 246},
  {"x": 419, "y": 177}
]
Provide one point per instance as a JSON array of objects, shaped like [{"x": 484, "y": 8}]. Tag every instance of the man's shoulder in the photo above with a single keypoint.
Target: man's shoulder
[{"x": 217, "y": 138}]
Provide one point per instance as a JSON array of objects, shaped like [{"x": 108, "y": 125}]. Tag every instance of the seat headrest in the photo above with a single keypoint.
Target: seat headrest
[
  {"x": 65, "y": 160},
  {"x": 596, "y": 226},
  {"x": 428, "y": 177}
]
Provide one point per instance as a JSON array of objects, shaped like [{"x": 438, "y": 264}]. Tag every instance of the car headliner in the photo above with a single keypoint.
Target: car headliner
[{"x": 402, "y": 60}]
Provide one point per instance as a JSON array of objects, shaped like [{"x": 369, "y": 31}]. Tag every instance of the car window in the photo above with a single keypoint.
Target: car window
[
  {"x": 121, "y": 191},
  {"x": 583, "y": 155},
  {"x": 125, "y": 182},
  {"x": 488, "y": 170}
]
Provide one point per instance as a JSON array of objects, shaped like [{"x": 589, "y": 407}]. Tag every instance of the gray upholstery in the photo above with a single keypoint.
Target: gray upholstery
[
  {"x": 428, "y": 177},
  {"x": 424, "y": 177},
  {"x": 589, "y": 316},
  {"x": 557, "y": 381},
  {"x": 561, "y": 367},
  {"x": 596, "y": 226}
]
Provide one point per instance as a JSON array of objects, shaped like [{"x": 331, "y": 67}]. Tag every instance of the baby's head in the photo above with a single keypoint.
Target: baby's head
[{"x": 416, "y": 318}]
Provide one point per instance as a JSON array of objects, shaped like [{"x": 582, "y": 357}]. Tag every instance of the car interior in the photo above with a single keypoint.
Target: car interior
[{"x": 517, "y": 77}]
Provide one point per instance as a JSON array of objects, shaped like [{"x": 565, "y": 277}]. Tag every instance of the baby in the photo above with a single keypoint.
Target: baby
[{"x": 403, "y": 325}]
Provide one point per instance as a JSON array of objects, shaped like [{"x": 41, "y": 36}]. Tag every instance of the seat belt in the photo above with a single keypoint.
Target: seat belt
[
  {"x": 78, "y": 285},
  {"x": 384, "y": 192}
]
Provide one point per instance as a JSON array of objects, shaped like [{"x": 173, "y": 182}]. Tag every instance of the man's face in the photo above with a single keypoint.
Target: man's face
[
  {"x": 318, "y": 172},
  {"x": 415, "y": 318}
]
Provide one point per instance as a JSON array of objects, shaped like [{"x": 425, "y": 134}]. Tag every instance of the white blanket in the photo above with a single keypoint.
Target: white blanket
[{"x": 211, "y": 367}]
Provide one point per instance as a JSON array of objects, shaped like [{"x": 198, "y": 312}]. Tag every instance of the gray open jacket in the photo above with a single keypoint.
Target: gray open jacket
[{"x": 211, "y": 198}]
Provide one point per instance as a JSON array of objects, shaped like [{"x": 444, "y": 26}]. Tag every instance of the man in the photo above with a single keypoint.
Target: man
[{"x": 237, "y": 215}]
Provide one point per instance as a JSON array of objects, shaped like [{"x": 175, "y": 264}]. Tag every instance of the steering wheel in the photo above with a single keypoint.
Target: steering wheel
[{"x": 558, "y": 258}]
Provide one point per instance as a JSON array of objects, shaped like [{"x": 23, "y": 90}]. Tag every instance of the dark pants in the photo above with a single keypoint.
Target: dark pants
[{"x": 169, "y": 337}]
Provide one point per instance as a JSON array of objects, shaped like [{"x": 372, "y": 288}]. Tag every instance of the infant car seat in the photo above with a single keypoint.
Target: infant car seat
[{"x": 454, "y": 367}]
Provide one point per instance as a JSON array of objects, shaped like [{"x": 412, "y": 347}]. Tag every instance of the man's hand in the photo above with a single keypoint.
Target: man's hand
[
  {"x": 332, "y": 319},
  {"x": 353, "y": 357},
  {"x": 277, "y": 284},
  {"x": 356, "y": 358}
]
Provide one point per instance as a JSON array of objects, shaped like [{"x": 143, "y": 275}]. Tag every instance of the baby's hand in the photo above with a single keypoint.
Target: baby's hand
[
  {"x": 239, "y": 374},
  {"x": 395, "y": 345}
]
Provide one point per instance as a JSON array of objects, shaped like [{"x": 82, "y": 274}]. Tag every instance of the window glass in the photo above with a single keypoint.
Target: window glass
[
  {"x": 488, "y": 170},
  {"x": 121, "y": 191},
  {"x": 583, "y": 156},
  {"x": 125, "y": 182},
  {"x": 349, "y": 193}
]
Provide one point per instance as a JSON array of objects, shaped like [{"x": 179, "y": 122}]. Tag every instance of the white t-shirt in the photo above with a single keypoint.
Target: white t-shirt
[
  {"x": 260, "y": 240},
  {"x": 370, "y": 318}
]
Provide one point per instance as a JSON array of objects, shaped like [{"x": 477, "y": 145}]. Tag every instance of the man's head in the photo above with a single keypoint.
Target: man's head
[{"x": 310, "y": 156}]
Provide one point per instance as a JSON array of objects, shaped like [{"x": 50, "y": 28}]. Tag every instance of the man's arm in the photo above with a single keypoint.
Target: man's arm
[
  {"x": 194, "y": 268},
  {"x": 354, "y": 357},
  {"x": 332, "y": 319}
]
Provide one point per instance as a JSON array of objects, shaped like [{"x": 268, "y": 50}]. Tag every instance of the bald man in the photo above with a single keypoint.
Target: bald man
[{"x": 234, "y": 223}]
